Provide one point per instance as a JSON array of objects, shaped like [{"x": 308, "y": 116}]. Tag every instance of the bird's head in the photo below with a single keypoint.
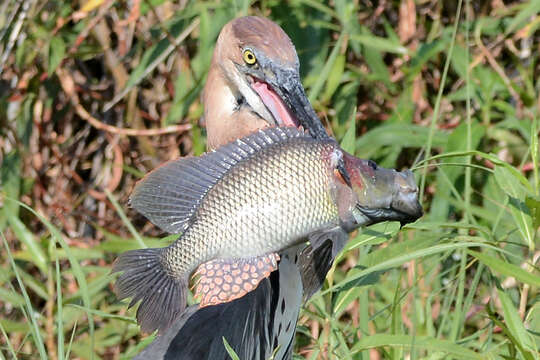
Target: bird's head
[{"x": 254, "y": 82}]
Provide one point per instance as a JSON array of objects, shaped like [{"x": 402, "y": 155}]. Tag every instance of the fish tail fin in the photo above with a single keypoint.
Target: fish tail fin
[{"x": 144, "y": 278}]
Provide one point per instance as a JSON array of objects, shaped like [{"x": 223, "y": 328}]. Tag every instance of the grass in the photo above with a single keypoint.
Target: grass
[{"x": 447, "y": 89}]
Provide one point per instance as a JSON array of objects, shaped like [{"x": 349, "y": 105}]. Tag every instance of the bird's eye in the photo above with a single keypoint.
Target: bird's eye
[
  {"x": 249, "y": 57},
  {"x": 372, "y": 164}
]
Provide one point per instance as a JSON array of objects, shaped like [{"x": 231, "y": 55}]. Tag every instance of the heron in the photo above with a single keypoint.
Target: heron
[{"x": 253, "y": 82}]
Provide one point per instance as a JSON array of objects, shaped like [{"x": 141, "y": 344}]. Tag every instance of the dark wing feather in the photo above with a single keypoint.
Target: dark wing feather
[{"x": 198, "y": 334}]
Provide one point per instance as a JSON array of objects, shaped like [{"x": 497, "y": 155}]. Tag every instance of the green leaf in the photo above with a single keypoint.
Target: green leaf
[
  {"x": 534, "y": 155},
  {"x": 57, "y": 51},
  {"x": 230, "y": 350},
  {"x": 325, "y": 73},
  {"x": 77, "y": 270},
  {"x": 425, "y": 53},
  {"x": 523, "y": 16},
  {"x": 421, "y": 342},
  {"x": 447, "y": 177},
  {"x": 348, "y": 142},
  {"x": 374, "y": 59},
  {"x": 509, "y": 183},
  {"x": 515, "y": 325},
  {"x": 399, "y": 254},
  {"x": 403, "y": 135},
  {"x": 344, "y": 298},
  {"x": 516, "y": 193},
  {"x": 372, "y": 235},
  {"x": 10, "y": 177},
  {"x": 334, "y": 78},
  {"x": 344, "y": 102},
  {"x": 507, "y": 269},
  {"x": 27, "y": 308},
  {"x": 11, "y": 297},
  {"x": 533, "y": 203},
  {"x": 124, "y": 218},
  {"x": 25, "y": 236},
  {"x": 103, "y": 314},
  {"x": 379, "y": 43}
]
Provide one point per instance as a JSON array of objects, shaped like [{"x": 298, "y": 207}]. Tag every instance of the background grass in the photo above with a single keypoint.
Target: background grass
[{"x": 449, "y": 89}]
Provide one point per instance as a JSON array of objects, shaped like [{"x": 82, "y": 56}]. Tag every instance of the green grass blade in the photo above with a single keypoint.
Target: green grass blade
[
  {"x": 7, "y": 342},
  {"x": 421, "y": 342},
  {"x": 34, "y": 328},
  {"x": 439, "y": 97},
  {"x": 515, "y": 325},
  {"x": 68, "y": 350},
  {"x": 59, "y": 313},
  {"x": 230, "y": 350},
  {"x": 348, "y": 141},
  {"x": 26, "y": 237},
  {"x": 76, "y": 268},
  {"x": 506, "y": 268},
  {"x": 125, "y": 220},
  {"x": 400, "y": 260},
  {"x": 321, "y": 79}
]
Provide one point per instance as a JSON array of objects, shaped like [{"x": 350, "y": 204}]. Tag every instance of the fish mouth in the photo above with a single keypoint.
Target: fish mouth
[
  {"x": 283, "y": 95},
  {"x": 403, "y": 205},
  {"x": 383, "y": 194},
  {"x": 375, "y": 215}
]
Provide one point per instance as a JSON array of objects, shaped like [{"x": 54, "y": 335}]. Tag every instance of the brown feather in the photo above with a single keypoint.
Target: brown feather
[{"x": 266, "y": 36}]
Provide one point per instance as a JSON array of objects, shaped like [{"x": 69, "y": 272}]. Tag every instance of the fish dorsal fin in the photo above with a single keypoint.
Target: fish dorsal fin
[{"x": 170, "y": 195}]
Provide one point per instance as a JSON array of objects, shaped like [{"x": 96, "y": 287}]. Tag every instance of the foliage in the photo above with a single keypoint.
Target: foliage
[{"x": 93, "y": 96}]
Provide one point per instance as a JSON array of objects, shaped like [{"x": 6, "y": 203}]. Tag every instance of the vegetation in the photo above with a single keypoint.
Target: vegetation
[{"x": 95, "y": 94}]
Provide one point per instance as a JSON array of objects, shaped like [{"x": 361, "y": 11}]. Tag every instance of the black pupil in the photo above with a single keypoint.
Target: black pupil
[
  {"x": 372, "y": 164},
  {"x": 250, "y": 57}
]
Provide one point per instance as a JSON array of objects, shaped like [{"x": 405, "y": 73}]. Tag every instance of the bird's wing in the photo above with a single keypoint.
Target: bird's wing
[{"x": 253, "y": 325}]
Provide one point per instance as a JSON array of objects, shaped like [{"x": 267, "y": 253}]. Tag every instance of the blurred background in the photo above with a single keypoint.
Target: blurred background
[{"x": 94, "y": 94}]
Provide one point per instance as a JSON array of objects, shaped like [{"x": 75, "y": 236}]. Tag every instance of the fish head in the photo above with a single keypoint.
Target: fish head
[{"x": 376, "y": 194}]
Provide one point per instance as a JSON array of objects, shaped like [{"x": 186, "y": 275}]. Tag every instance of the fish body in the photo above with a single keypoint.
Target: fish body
[
  {"x": 263, "y": 204},
  {"x": 239, "y": 205}
]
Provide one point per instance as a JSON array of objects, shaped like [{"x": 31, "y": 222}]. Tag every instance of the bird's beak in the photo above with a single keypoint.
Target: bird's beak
[
  {"x": 282, "y": 93},
  {"x": 290, "y": 89}
]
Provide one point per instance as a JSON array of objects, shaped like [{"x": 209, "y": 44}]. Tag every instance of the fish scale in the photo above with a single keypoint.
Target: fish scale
[{"x": 291, "y": 206}]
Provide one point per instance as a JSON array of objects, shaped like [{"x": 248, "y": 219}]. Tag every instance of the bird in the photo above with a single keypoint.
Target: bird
[{"x": 253, "y": 83}]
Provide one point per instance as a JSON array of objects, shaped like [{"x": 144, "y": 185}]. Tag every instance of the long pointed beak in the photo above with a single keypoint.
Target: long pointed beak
[
  {"x": 285, "y": 82},
  {"x": 290, "y": 89}
]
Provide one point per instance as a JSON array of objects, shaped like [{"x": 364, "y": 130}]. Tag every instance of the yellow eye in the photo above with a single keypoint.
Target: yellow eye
[{"x": 249, "y": 57}]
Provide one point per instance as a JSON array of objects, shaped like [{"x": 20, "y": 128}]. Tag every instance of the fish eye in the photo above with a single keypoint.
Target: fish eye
[
  {"x": 249, "y": 57},
  {"x": 372, "y": 164}
]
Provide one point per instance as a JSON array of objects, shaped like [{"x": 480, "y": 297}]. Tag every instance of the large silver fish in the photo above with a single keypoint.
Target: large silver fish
[{"x": 239, "y": 205}]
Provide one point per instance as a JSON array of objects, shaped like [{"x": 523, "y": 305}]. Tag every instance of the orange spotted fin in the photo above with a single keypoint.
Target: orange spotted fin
[{"x": 224, "y": 280}]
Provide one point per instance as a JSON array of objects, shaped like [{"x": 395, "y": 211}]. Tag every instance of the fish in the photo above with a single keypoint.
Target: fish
[{"x": 239, "y": 205}]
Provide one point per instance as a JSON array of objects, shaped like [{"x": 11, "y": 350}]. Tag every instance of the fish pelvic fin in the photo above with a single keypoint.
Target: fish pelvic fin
[
  {"x": 316, "y": 259},
  {"x": 162, "y": 297},
  {"x": 224, "y": 280},
  {"x": 170, "y": 195},
  {"x": 336, "y": 235}
]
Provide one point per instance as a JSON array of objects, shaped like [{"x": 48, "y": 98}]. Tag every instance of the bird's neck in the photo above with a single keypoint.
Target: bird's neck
[{"x": 225, "y": 119}]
